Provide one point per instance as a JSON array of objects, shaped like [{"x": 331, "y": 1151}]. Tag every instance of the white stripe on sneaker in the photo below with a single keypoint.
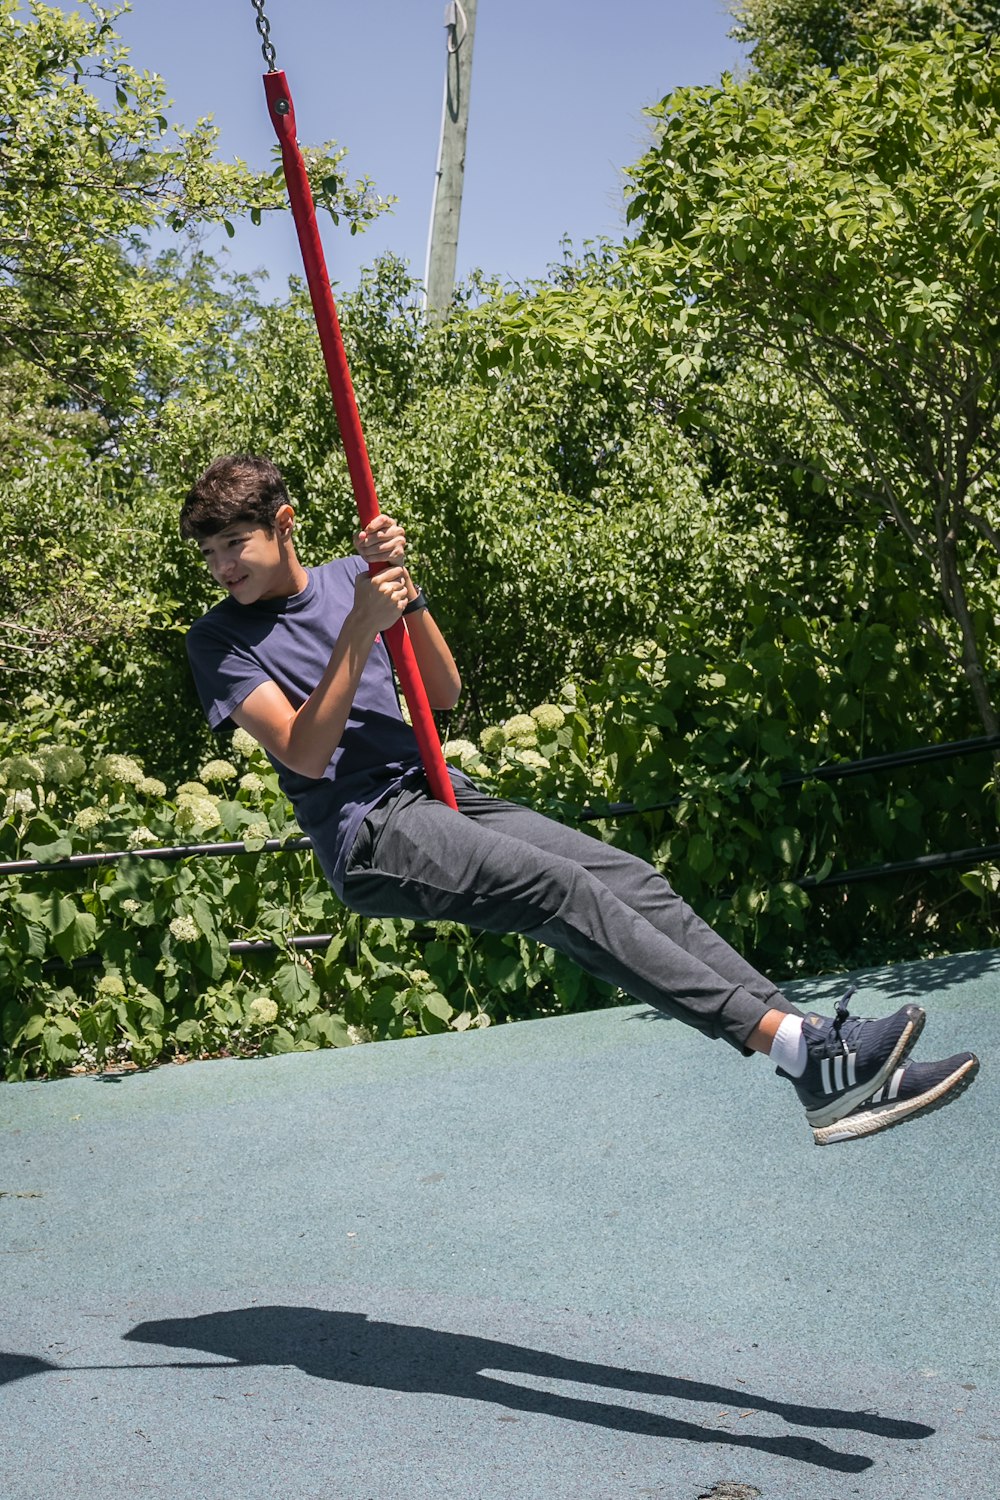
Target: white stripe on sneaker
[
  {"x": 851, "y": 1078},
  {"x": 824, "y": 1069},
  {"x": 897, "y": 1079}
]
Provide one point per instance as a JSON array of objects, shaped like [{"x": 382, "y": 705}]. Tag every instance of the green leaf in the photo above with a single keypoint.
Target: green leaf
[
  {"x": 76, "y": 939},
  {"x": 293, "y": 984},
  {"x": 700, "y": 854},
  {"x": 436, "y": 1004},
  {"x": 60, "y": 848}
]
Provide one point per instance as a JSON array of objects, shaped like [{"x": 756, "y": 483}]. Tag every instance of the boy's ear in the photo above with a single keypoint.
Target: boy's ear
[{"x": 284, "y": 521}]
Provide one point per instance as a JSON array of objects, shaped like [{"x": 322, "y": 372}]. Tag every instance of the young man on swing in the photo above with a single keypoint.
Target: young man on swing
[{"x": 294, "y": 655}]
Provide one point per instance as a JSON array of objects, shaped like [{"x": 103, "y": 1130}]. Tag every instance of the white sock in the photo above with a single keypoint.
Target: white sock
[{"x": 788, "y": 1050}]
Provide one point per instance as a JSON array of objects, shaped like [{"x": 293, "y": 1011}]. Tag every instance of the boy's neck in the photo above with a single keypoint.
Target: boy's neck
[{"x": 290, "y": 578}]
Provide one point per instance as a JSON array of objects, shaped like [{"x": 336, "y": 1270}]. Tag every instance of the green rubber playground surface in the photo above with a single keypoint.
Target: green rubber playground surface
[{"x": 588, "y": 1258}]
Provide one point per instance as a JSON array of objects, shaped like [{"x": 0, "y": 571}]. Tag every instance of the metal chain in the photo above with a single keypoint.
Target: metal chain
[{"x": 264, "y": 28}]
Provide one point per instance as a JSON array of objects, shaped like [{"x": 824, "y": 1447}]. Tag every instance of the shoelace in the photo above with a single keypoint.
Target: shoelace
[{"x": 841, "y": 1014}]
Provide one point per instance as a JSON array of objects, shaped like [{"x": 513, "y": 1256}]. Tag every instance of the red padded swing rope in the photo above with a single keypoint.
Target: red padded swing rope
[{"x": 282, "y": 112}]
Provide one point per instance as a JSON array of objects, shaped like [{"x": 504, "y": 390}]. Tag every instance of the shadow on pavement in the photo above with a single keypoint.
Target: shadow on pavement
[
  {"x": 900, "y": 982},
  {"x": 905, "y": 980},
  {"x": 353, "y": 1349}
]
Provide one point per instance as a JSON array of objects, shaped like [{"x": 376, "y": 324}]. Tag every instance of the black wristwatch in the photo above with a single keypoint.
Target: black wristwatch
[{"x": 417, "y": 604}]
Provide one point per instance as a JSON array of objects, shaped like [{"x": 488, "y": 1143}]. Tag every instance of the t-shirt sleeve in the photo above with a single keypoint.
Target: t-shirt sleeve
[{"x": 224, "y": 672}]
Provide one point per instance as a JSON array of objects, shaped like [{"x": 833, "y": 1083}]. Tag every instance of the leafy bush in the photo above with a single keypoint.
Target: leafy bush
[{"x": 130, "y": 962}]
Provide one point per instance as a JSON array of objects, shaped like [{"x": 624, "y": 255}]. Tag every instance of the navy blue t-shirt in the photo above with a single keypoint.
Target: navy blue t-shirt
[{"x": 236, "y": 647}]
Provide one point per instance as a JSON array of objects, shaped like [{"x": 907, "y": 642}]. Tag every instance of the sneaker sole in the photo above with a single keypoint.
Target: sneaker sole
[
  {"x": 885, "y": 1116},
  {"x": 850, "y": 1099}
]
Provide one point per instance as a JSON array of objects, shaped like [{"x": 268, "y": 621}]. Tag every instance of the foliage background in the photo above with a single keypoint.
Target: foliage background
[{"x": 666, "y": 558}]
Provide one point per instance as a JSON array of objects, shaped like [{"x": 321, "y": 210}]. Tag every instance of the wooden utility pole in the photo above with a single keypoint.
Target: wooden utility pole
[{"x": 442, "y": 248}]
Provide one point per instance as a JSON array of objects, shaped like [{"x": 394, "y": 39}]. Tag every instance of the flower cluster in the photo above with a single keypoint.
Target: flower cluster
[
  {"x": 149, "y": 786},
  {"x": 493, "y": 739},
  {"x": 20, "y": 772},
  {"x": 185, "y": 929},
  {"x": 520, "y": 730},
  {"x": 196, "y": 814},
  {"x": 549, "y": 717},
  {"x": 61, "y": 764},
  {"x": 244, "y": 744},
  {"x": 192, "y": 789},
  {"x": 532, "y": 760},
  {"x": 218, "y": 770},
  {"x": 18, "y": 802},
  {"x": 121, "y": 768},
  {"x": 253, "y": 785},
  {"x": 111, "y": 987},
  {"x": 86, "y": 818},
  {"x": 464, "y": 751},
  {"x": 140, "y": 838},
  {"x": 262, "y": 1011}
]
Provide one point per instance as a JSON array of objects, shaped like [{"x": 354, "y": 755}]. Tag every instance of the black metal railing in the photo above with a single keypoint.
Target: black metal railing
[{"x": 611, "y": 812}]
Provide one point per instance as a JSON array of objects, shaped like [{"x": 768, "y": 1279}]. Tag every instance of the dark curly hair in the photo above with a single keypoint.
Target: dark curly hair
[{"x": 240, "y": 487}]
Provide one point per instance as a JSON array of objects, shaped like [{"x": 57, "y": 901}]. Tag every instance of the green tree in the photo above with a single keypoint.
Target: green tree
[
  {"x": 99, "y": 336},
  {"x": 89, "y": 166},
  {"x": 845, "y": 246},
  {"x": 786, "y": 38}
]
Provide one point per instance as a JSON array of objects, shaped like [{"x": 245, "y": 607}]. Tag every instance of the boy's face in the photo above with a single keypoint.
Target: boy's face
[{"x": 249, "y": 562}]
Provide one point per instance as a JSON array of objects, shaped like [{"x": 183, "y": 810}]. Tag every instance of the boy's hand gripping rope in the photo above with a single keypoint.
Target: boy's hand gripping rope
[{"x": 282, "y": 112}]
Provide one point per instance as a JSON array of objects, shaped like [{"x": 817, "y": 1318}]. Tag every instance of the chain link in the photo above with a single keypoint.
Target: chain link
[{"x": 264, "y": 28}]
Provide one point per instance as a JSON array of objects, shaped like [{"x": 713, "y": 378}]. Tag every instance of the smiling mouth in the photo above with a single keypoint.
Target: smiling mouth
[{"x": 234, "y": 583}]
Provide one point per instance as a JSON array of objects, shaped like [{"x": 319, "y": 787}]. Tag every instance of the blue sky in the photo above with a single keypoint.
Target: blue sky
[{"x": 556, "y": 103}]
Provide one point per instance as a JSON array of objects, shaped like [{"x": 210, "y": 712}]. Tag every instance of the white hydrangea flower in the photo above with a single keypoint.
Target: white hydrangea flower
[
  {"x": 18, "y": 802},
  {"x": 244, "y": 744},
  {"x": 62, "y": 764},
  {"x": 252, "y": 784},
  {"x": 548, "y": 716},
  {"x": 218, "y": 770},
  {"x": 521, "y": 729},
  {"x": 191, "y": 789},
  {"x": 492, "y": 739},
  {"x": 123, "y": 768},
  {"x": 532, "y": 760},
  {"x": 185, "y": 929},
  {"x": 460, "y": 750},
  {"x": 358, "y": 1034},
  {"x": 32, "y": 702},
  {"x": 141, "y": 838},
  {"x": 112, "y": 986},
  {"x": 130, "y": 907},
  {"x": 262, "y": 1011},
  {"x": 195, "y": 814},
  {"x": 149, "y": 786},
  {"x": 21, "y": 772},
  {"x": 88, "y": 817},
  {"x": 257, "y": 831}
]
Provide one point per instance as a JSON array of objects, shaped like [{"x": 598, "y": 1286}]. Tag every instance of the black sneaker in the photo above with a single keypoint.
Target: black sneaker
[
  {"x": 848, "y": 1058},
  {"x": 915, "y": 1089}
]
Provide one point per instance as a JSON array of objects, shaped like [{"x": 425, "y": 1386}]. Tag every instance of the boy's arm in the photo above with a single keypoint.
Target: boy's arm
[
  {"x": 304, "y": 739},
  {"x": 384, "y": 541},
  {"x": 437, "y": 665}
]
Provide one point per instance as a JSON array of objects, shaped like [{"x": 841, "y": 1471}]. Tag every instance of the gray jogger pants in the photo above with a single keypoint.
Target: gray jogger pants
[{"x": 500, "y": 867}]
